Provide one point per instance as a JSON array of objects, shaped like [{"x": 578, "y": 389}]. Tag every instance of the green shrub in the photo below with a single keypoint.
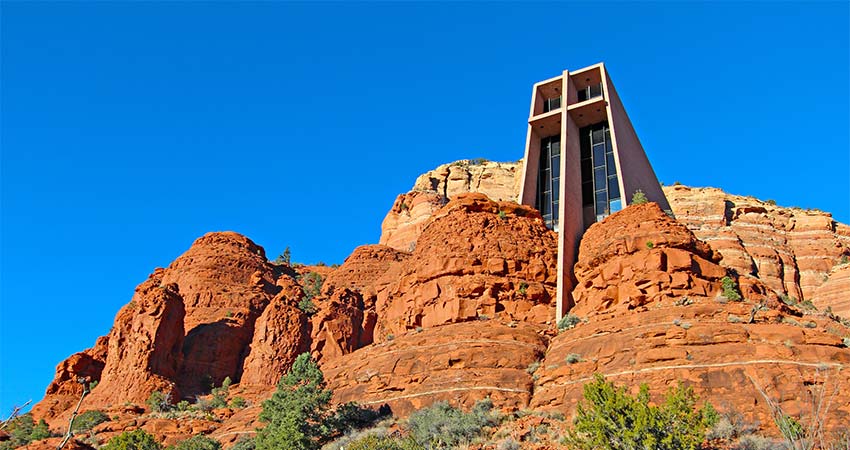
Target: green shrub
[
  {"x": 132, "y": 440},
  {"x": 40, "y": 431},
  {"x": 753, "y": 442},
  {"x": 183, "y": 405},
  {"x": 567, "y": 322},
  {"x": 443, "y": 426},
  {"x": 311, "y": 283},
  {"x": 219, "y": 394},
  {"x": 88, "y": 420},
  {"x": 238, "y": 403},
  {"x": 844, "y": 260},
  {"x": 503, "y": 215},
  {"x": 523, "y": 288},
  {"x": 846, "y": 341},
  {"x": 477, "y": 161},
  {"x": 307, "y": 306},
  {"x": 730, "y": 289},
  {"x": 573, "y": 358},
  {"x": 639, "y": 198},
  {"x": 790, "y": 428},
  {"x": 373, "y": 442},
  {"x": 298, "y": 414},
  {"x": 788, "y": 300},
  {"x": 533, "y": 367},
  {"x": 244, "y": 443},
  {"x": 610, "y": 418},
  {"x": 285, "y": 257},
  {"x": 158, "y": 402},
  {"x": 650, "y": 245},
  {"x": 197, "y": 442}
]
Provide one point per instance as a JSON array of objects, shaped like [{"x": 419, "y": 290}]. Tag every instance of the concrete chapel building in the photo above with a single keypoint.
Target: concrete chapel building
[{"x": 583, "y": 161}]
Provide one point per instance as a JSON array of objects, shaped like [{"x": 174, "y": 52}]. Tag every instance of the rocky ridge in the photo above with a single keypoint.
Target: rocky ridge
[{"x": 464, "y": 313}]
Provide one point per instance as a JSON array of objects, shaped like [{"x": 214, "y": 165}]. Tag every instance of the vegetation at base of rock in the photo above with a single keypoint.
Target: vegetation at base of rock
[
  {"x": 573, "y": 358},
  {"x": 567, "y": 322},
  {"x": 22, "y": 430},
  {"x": 197, "y": 442},
  {"x": 443, "y": 426},
  {"x": 610, "y": 418},
  {"x": 132, "y": 440},
  {"x": 307, "y": 306},
  {"x": 244, "y": 443},
  {"x": 639, "y": 198},
  {"x": 238, "y": 403},
  {"x": 373, "y": 442},
  {"x": 299, "y": 415},
  {"x": 730, "y": 289},
  {"x": 158, "y": 402},
  {"x": 88, "y": 420},
  {"x": 219, "y": 394},
  {"x": 311, "y": 283}
]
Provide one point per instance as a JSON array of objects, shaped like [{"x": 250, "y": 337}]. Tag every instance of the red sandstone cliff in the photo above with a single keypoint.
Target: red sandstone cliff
[{"x": 462, "y": 309}]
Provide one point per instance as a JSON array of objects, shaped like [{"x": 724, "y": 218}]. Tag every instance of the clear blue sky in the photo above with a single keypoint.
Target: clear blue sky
[{"x": 130, "y": 129}]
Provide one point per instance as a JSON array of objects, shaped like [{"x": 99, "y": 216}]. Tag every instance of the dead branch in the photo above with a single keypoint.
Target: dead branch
[
  {"x": 70, "y": 433},
  {"x": 15, "y": 412}
]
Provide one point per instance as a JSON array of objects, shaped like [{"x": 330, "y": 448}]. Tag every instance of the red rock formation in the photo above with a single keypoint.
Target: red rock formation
[
  {"x": 461, "y": 363},
  {"x": 411, "y": 211},
  {"x": 144, "y": 347},
  {"x": 475, "y": 258},
  {"x": 363, "y": 268},
  {"x": 280, "y": 335},
  {"x": 65, "y": 390},
  {"x": 789, "y": 249},
  {"x": 835, "y": 292},
  {"x": 341, "y": 324},
  {"x": 226, "y": 282},
  {"x": 651, "y": 314}
]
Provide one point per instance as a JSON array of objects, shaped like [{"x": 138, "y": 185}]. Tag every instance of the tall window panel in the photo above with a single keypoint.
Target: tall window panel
[
  {"x": 548, "y": 180},
  {"x": 600, "y": 187}
]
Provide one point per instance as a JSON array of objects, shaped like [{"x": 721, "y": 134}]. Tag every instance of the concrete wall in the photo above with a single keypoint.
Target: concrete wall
[{"x": 633, "y": 166}]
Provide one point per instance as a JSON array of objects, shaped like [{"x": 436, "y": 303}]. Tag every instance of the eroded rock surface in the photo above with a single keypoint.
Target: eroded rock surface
[
  {"x": 461, "y": 363},
  {"x": 476, "y": 258},
  {"x": 406, "y": 219}
]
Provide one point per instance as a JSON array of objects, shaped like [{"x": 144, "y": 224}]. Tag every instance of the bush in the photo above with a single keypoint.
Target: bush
[
  {"x": 730, "y": 289},
  {"x": 22, "y": 430},
  {"x": 573, "y": 358},
  {"x": 307, "y": 306},
  {"x": 159, "y": 402},
  {"x": 238, "y": 403},
  {"x": 132, "y": 440},
  {"x": 311, "y": 284},
  {"x": 639, "y": 198},
  {"x": 244, "y": 443},
  {"x": 219, "y": 394},
  {"x": 299, "y": 415},
  {"x": 197, "y": 442},
  {"x": 88, "y": 420},
  {"x": 373, "y": 442},
  {"x": 753, "y": 442},
  {"x": 609, "y": 418},
  {"x": 443, "y": 426},
  {"x": 567, "y": 322}
]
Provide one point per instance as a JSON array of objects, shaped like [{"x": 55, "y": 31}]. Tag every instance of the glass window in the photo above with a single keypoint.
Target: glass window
[
  {"x": 599, "y": 178},
  {"x": 616, "y": 205},
  {"x": 599, "y": 155},
  {"x": 609, "y": 161},
  {"x": 597, "y": 137},
  {"x": 613, "y": 187}
]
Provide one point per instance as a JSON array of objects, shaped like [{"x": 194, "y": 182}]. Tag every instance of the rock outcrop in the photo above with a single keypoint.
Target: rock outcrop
[
  {"x": 144, "y": 349},
  {"x": 475, "y": 258},
  {"x": 790, "y": 250},
  {"x": 432, "y": 190},
  {"x": 461, "y": 363},
  {"x": 652, "y": 311}
]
